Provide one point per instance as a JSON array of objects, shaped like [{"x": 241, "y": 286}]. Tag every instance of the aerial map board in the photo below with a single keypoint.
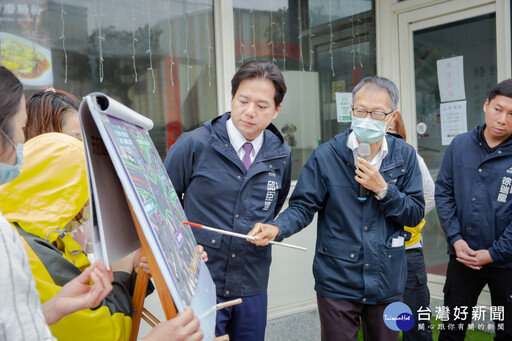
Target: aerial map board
[{"x": 123, "y": 164}]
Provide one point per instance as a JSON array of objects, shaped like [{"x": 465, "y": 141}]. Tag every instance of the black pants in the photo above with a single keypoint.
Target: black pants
[
  {"x": 416, "y": 295},
  {"x": 462, "y": 288}
]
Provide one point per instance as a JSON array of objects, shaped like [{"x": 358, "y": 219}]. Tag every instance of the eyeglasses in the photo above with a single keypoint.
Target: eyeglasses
[{"x": 376, "y": 115}]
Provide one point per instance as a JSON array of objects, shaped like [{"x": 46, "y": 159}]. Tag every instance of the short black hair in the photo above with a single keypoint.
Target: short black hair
[
  {"x": 503, "y": 88},
  {"x": 261, "y": 70},
  {"x": 11, "y": 92}
]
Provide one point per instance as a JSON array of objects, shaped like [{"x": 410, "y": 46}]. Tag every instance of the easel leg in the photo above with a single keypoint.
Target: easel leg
[{"x": 139, "y": 294}]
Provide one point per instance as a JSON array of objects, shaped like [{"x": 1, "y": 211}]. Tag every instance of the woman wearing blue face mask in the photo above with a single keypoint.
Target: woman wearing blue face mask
[
  {"x": 22, "y": 317},
  {"x": 12, "y": 120}
]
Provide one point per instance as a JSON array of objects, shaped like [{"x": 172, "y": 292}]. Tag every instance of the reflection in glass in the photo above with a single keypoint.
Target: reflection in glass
[
  {"x": 309, "y": 50},
  {"x": 324, "y": 11},
  {"x": 347, "y": 75},
  {"x": 480, "y": 74},
  {"x": 156, "y": 57}
]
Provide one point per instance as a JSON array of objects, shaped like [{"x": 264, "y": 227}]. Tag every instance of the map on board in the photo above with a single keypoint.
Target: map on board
[
  {"x": 117, "y": 142},
  {"x": 160, "y": 202}
]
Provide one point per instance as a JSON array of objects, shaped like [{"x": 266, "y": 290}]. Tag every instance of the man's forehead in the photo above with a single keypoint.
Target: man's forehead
[
  {"x": 372, "y": 90},
  {"x": 255, "y": 98},
  {"x": 376, "y": 96},
  {"x": 500, "y": 98}
]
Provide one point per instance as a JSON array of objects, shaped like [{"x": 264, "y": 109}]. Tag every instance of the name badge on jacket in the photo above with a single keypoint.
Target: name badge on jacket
[
  {"x": 272, "y": 187},
  {"x": 505, "y": 188}
]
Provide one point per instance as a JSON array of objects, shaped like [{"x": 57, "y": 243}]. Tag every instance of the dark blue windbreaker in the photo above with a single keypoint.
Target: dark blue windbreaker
[
  {"x": 354, "y": 258},
  {"x": 473, "y": 197},
  {"x": 219, "y": 192}
]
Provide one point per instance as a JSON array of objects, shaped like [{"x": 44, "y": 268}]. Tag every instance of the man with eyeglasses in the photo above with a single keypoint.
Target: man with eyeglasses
[
  {"x": 360, "y": 264},
  {"x": 474, "y": 205}
]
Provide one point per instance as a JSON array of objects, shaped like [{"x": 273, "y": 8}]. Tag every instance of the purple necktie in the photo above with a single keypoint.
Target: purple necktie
[{"x": 246, "y": 160}]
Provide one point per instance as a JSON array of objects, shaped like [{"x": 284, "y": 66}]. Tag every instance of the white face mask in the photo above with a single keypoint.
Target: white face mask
[
  {"x": 10, "y": 172},
  {"x": 368, "y": 130}
]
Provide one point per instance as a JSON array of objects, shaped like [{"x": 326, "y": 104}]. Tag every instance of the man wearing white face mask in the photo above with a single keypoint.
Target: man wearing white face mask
[{"x": 360, "y": 263}]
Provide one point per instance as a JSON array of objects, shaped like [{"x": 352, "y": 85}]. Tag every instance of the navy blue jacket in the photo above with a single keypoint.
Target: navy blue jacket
[
  {"x": 473, "y": 197},
  {"x": 354, "y": 258},
  {"x": 219, "y": 192}
]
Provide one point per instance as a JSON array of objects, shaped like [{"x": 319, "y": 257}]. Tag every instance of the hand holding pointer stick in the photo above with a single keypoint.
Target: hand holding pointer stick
[{"x": 239, "y": 235}]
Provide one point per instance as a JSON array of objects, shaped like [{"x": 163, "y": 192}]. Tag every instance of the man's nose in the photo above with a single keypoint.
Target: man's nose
[
  {"x": 251, "y": 110},
  {"x": 502, "y": 118}
]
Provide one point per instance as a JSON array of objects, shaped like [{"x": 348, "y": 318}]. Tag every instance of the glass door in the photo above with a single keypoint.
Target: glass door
[
  {"x": 450, "y": 63},
  {"x": 440, "y": 44},
  {"x": 443, "y": 43}
]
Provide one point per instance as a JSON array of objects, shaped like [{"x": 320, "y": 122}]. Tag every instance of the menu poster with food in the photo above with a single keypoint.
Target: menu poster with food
[{"x": 25, "y": 49}]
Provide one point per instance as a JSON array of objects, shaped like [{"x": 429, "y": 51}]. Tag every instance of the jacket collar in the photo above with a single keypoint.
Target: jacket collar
[
  {"x": 273, "y": 141},
  {"x": 393, "y": 159},
  {"x": 478, "y": 136}
]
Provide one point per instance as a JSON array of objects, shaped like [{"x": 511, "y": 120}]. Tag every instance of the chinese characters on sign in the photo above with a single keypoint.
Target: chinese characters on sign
[
  {"x": 477, "y": 316},
  {"x": 453, "y": 121},
  {"x": 19, "y": 9},
  {"x": 343, "y": 101},
  {"x": 450, "y": 77}
]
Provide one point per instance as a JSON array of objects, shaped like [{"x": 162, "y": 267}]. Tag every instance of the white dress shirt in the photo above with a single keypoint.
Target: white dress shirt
[
  {"x": 428, "y": 185},
  {"x": 376, "y": 162},
  {"x": 237, "y": 141}
]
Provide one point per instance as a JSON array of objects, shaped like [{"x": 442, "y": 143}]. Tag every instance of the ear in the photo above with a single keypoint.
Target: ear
[
  {"x": 393, "y": 117},
  {"x": 277, "y": 110},
  {"x": 486, "y": 105}
]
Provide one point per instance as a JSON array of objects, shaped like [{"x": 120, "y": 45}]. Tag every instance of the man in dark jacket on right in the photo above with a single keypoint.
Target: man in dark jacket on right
[{"x": 475, "y": 210}]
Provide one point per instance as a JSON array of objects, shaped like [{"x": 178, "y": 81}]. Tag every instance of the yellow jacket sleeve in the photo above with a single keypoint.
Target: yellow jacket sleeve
[{"x": 110, "y": 321}]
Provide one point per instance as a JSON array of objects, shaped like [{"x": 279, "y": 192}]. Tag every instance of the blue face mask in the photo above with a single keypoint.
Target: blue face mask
[
  {"x": 368, "y": 130},
  {"x": 10, "y": 172}
]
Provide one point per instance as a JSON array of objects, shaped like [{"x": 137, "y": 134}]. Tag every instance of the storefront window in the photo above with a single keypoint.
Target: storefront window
[
  {"x": 432, "y": 46},
  {"x": 156, "y": 57},
  {"x": 325, "y": 11},
  {"x": 321, "y": 47}
]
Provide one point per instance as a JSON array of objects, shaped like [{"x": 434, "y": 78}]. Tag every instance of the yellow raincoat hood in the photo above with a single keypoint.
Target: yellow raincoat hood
[{"x": 50, "y": 191}]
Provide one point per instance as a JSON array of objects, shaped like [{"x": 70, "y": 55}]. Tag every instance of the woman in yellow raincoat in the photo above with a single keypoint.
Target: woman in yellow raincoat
[
  {"x": 50, "y": 192},
  {"x": 21, "y": 315}
]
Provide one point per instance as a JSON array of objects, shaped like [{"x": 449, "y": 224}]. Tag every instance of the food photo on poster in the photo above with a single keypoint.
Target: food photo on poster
[{"x": 31, "y": 62}]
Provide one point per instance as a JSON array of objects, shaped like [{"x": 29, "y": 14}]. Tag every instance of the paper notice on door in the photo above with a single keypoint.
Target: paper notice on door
[
  {"x": 343, "y": 101},
  {"x": 450, "y": 77},
  {"x": 453, "y": 120}
]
